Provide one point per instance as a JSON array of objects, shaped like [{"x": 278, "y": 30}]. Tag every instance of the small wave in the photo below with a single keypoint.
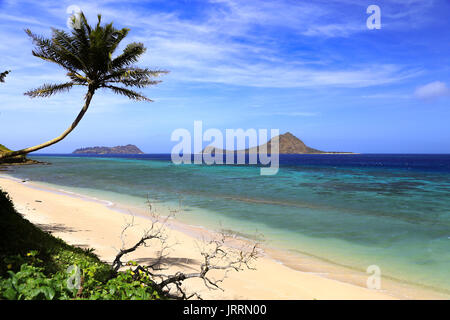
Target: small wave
[{"x": 87, "y": 197}]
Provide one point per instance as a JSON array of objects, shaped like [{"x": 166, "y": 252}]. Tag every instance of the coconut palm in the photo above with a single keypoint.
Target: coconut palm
[{"x": 87, "y": 55}]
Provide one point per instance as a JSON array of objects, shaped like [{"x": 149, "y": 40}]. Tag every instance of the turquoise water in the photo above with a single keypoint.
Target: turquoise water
[{"x": 354, "y": 210}]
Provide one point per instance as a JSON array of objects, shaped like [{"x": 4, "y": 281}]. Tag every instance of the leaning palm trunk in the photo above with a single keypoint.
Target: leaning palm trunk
[
  {"x": 25, "y": 151},
  {"x": 87, "y": 56}
]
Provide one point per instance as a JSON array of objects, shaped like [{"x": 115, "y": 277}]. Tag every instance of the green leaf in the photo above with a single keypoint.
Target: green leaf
[{"x": 10, "y": 294}]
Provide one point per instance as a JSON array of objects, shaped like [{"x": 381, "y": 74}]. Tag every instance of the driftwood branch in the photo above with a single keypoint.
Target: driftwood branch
[{"x": 216, "y": 255}]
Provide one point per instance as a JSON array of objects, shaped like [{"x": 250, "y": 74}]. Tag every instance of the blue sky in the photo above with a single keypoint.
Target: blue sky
[{"x": 309, "y": 67}]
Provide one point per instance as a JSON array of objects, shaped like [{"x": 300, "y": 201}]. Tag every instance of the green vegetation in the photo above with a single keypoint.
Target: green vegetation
[
  {"x": 86, "y": 55},
  {"x": 3, "y": 149},
  {"x": 34, "y": 265},
  {"x": 13, "y": 160}
]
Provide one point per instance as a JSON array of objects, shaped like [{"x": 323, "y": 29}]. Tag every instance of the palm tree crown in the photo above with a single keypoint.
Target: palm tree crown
[{"x": 87, "y": 55}]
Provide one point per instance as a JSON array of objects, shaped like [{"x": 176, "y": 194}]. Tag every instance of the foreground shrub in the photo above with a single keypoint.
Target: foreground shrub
[{"x": 36, "y": 265}]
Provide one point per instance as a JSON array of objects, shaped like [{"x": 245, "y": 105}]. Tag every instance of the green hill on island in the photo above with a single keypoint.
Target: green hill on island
[{"x": 287, "y": 142}]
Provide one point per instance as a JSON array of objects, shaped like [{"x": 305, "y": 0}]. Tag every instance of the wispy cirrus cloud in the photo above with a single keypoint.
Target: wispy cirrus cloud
[{"x": 234, "y": 43}]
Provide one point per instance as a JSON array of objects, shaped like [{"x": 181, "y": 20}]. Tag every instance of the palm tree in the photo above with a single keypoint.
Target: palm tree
[
  {"x": 3, "y": 75},
  {"x": 86, "y": 55}
]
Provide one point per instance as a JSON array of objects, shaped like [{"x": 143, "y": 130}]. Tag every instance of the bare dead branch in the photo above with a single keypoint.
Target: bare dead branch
[{"x": 216, "y": 254}]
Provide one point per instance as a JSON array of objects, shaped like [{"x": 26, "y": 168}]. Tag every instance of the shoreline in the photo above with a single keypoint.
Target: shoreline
[{"x": 314, "y": 278}]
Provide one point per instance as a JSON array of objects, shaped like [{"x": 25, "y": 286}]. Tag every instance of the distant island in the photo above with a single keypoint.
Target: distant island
[
  {"x": 128, "y": 149},
  {"x": 288, "y": 144}
]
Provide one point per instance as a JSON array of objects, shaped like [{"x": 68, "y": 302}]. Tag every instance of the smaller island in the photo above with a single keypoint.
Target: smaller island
[{"x": 128, "y": 149}]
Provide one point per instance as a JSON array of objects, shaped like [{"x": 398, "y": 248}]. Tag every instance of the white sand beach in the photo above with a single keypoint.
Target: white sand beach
[{"x": 86, "y": 223}]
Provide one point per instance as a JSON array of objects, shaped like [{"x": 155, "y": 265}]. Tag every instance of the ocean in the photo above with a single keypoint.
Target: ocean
[{"x": 388, "y": 210}]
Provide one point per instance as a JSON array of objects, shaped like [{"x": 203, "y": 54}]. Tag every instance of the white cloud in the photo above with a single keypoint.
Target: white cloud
[{"x": 432, "y": 90}]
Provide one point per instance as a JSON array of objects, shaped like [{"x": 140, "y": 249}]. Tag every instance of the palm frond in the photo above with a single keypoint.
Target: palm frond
[
  {"x": 46, "y": 50},
  {"x": 112, "y": 37},
  {"x": 80, "y": 35},
  {"x": 49, "y": 89},
  {"x": 134, "y": 77},
  {"x": 133, "y": 95},
  {"x": 78, "y": 78},
  {"x": 3, "y": 75},
  {"x": 130, "y": 55},
  {"x": 139, "y": 83},
  {"x": 68, "y": 48}
]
